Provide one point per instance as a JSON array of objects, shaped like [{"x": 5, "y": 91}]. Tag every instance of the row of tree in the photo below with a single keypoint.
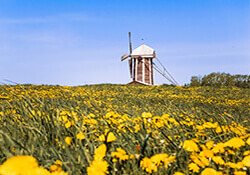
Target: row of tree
[{"x": 221, "y": 79}]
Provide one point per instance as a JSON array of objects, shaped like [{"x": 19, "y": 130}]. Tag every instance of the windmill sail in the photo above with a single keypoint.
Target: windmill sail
[
  {"x": 125, "y": 56},
  {"x": 130, "y": 43},
  {"x": 130, "y": 68}
]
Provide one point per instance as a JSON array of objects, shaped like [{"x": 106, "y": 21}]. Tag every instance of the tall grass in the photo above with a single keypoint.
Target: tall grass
[{"x": 35, "y": 120}]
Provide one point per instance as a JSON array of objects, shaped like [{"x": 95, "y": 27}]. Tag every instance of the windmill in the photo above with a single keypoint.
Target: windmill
[{"x": 141, "y": 65}]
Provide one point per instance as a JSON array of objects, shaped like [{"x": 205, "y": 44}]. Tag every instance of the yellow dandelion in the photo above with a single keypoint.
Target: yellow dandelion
[
  {"x": 246, "y": 153},
  {"x": 190, "y": 145},
  {"x": 68, "y": 124},
  {"x": 98, "y": 167},
  {"x": 194, "y": 167},
  {"x": 148, "y": 165},
  {"x": 121, "y": 154},
  {"x": 210, "y": 144},
  {"x": 210, "y": 125},
  {"x": 235, "y": 142},
  {"x": 219, "y": 148},
  {"x": 102, "y": 137},
  {"x": 235, "y": 165},
  {"x": 218, "y": 160},
  {"x": 209, "y": 171},
  {"x": 248, "y": 141},
  {"x": 231, "y": 152},
  {"x": 159, "y": 158},
  {"x": 58, "y": 162},
  {"x": 200, "y": 160},
  {"x": 246, "y": 161},
  {"x": 54, "y": 168},
  {"x": 132, "y": 156},
  {"x": 207, "y": 153},
  {"x": 18, "y": 165},
  {"x": 100, "y": 152},
  {"x": 178, "y": 173},
  {"x": 22, "y": 165},
  {"x": 36, "y": 171},
  {"x": 240, "y": 173},
  {"x": 218, "y": 129},
  {"x": 80, "y": 136},
  {"x": 68, "y": 140},
  {"x": 111, "y": 137}
]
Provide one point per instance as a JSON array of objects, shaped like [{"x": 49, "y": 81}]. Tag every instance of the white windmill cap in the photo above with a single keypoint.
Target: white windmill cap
[{"x": 143, "y": 51}]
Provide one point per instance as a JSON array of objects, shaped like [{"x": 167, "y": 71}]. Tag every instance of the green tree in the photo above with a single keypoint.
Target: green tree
[{"x": 195, "y": 81}]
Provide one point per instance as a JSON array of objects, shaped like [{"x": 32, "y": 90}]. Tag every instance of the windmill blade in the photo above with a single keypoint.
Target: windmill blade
[
  {"x": 130, "y": 43},
  {"x": 125, "y": 56},
  {"x": 130, "y": 67}
]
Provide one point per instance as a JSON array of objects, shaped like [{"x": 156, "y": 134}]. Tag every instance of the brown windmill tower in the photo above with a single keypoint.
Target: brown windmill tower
[{"x": 140, "y": 64}]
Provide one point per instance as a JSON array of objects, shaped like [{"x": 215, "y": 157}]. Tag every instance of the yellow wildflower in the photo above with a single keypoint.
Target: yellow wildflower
[
  {"x": 246, "y": 153},
  {"x": 100, "y": 152},
  {"x": 219, "y": 148},
  {"x": 210, "y": 144},
  {"x": 207, "y": 153},
  {"x": 246, "y": 161},
  {"x": 199, "y": 127},
  {"x": 210, "y": 125},
  {"x": 148, "y": 165},
  {"x": 169, "y": 160},
  {"x": 68, "y": 124},
  {"x": 98, "y": 167},
  {"x": 18, "y": 165},
  {"x": 146, "y": 115},
  {"x": 159, "y": 158},
  {"x": 240, "y": 173},
  {"x": 200, "y": 160},
  {"x": 209, "y": 171},
  {"x": 190, "y": 145},
  {"x": 231, "y": 152},
  {"x": 80, "y": 136},
  {"x": 54, "y": 168},
  {"x": 121, "y": 154},
  {"x": 218, "y": 129},
  {"x": 218, "y": 160},
  {"x": 178, "y": 173},
  {"x": 235, "y": 142},
  {"x": 194, "y": 167},
  {"x": 22, "y": 165},
  {"x": 248, "y": 141},
  {"x": 58, "y": 173},
  {"x": 111, "y": 137},
  {"x": 58, "y": 162},
  {"x": 235, "y": 165},
  {"x": 68, "y": 140}
]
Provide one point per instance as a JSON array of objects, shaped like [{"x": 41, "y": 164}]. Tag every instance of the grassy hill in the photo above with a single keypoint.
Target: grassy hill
[{"x": 139, "y": 129}]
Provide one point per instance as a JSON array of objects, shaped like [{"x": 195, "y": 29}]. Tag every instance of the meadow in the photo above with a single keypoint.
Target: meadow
[{"x": 124, "y": 129}]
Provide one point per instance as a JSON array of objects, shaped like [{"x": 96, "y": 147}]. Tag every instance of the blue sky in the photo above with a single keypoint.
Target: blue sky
[{"x": 77, "y": 42}]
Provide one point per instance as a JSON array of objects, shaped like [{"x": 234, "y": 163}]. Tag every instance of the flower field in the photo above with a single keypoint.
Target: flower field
[{"x": 124, "y": 129}]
